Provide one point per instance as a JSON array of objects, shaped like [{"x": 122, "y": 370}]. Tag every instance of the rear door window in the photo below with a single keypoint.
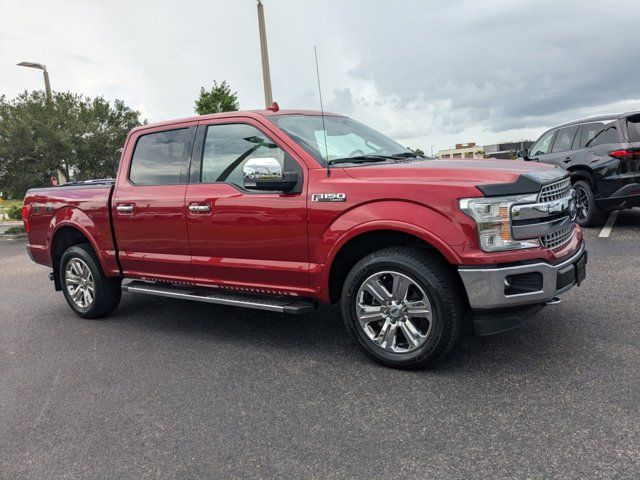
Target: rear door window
[
  {"x": 161, "y": 158},
  {"x": 564, "y": 139}
]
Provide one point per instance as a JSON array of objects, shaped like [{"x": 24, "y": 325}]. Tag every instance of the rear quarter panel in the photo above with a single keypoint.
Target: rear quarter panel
[{"x": 84, "y": 208}]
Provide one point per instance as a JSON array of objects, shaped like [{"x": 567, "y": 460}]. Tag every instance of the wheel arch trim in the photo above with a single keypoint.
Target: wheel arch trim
[
  {"x": 422, "y": 234},
  {"x": 582, "y": 172}
]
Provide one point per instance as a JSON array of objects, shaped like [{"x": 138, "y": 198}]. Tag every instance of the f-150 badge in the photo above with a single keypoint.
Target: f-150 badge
[{"x": 329, "y": 197}]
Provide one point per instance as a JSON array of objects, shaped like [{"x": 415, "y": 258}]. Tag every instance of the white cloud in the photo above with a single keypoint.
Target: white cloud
[{"x": 425, "y": 72}]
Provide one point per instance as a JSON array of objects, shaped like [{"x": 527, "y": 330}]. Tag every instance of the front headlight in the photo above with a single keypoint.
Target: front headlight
[{"x": 493, "y": 216}]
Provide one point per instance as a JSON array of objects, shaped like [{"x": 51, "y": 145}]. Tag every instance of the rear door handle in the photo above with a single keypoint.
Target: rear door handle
[
  {"x": 199, "y": 208},
  {"x": 124, "y": 208}
]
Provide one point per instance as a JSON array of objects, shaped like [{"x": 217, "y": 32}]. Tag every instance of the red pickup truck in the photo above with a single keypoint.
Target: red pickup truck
[{"x": 281, "y": 210}]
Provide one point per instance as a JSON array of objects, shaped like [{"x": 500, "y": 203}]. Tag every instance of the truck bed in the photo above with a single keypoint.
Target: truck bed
[{"x": 85, "y": 205}]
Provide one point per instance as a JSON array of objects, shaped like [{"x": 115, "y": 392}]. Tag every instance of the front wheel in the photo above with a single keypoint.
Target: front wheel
[
  {"x": 403, "y": 307},
  {"x": 88, "y": 291}
]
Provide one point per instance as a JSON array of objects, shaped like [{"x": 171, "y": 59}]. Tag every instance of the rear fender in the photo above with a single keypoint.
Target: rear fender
[{"x": 99, "y": 238}]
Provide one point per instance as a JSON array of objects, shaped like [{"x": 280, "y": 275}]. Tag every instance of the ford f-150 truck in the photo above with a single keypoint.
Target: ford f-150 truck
[{"x": 283, "y": 210}]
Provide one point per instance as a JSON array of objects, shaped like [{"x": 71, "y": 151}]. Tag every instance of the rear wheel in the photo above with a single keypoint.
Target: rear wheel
[
  {"x": 589, "y": 215},
  {"x": 403, "y": 307},
  {"x": 89, "y": 293}
]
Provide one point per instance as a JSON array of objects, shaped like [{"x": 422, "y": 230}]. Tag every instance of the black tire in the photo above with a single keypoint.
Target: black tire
[
  {"x": 589, "y": 215},
  {"x": 107, "y": 290},
  {"x": 431, "y": 274}
]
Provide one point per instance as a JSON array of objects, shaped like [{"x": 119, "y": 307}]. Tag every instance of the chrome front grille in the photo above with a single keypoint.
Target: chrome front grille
[
  {"x": 555, "y": 191},
  {"x": 549, "y": 219},
  {"x": 557, "y": 238}
]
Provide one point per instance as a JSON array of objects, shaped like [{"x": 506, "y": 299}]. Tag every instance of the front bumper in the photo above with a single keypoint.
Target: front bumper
[{"x": 519, "y": 285}]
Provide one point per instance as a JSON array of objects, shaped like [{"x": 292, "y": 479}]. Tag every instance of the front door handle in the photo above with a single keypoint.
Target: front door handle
[
  {"x": 124, "y": 208},
  {"x": 200, "y": 208}
]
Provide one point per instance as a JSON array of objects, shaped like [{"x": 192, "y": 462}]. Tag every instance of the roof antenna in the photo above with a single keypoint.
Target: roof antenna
[{"x": 324, "y": 130}]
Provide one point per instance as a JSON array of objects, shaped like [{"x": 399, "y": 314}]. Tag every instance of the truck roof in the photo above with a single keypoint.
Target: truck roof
[{"x": 238, "y": 113}]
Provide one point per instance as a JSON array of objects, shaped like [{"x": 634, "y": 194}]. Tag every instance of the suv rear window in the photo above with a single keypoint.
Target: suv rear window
[{"x": 633, "y": 124}]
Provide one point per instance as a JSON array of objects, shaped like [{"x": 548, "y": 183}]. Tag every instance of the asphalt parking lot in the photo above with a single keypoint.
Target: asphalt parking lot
[{"x": 173, "y": 389}]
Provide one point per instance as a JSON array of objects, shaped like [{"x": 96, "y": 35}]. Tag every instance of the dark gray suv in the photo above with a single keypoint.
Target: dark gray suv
[{"x": 603, "y": 156}]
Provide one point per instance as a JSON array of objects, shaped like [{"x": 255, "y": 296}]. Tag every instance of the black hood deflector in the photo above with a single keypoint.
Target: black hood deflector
[{"x": 530, "y": 182}]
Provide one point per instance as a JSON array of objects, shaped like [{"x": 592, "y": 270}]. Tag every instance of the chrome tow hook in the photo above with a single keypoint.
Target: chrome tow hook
[{"x": 553, "y": 301}]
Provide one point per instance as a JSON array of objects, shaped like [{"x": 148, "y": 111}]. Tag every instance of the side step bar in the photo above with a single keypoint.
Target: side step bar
[{"x": 271, "y": 303}]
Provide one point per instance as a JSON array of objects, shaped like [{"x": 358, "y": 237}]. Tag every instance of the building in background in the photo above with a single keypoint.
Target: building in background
[
  {"x": 506, "y": 150},
  {"x": 462, "y": 150}
]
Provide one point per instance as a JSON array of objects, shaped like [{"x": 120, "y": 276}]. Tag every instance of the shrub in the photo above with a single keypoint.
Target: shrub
[{"x": 15, "y": 212}]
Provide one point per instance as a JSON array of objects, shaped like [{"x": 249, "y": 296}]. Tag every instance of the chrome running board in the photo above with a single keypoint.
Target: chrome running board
[{"x": 271, "y": 303}]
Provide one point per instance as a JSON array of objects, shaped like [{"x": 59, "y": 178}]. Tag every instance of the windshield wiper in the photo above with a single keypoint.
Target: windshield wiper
[
  {"x": 406, "y": 155},
  {"x": 362, "y": 159}
]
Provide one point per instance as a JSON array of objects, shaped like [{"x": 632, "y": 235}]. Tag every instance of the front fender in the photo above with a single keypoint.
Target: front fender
[{"x": 433, "y": 227}]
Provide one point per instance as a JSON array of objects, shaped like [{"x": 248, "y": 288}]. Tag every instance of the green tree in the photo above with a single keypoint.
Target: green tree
[
  {"x": 78, "y": 136},
  {"x": 219, "y": 99}
]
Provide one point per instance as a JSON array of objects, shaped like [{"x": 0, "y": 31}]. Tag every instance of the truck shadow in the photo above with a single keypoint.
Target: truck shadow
[{"x": 322, "y": 336}]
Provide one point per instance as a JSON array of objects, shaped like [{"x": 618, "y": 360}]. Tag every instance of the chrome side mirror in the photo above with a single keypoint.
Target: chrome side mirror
[{"x": 266, "y": 174}]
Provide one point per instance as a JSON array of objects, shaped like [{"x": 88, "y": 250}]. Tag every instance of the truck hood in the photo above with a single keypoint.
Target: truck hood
[{"x": 491, "y": 177}]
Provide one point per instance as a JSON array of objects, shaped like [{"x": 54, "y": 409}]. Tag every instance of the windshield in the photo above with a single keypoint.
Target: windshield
[{"x": 345, "y": 137}]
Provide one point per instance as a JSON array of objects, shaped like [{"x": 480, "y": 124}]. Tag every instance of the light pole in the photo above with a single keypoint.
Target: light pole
[
  {"x": 266, "y": 75},
  {"x": 42, "y": 67},
  {"x": 47, "y": 86}
]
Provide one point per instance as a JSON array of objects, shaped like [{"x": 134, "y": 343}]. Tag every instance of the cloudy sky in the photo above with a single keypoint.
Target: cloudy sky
[{"x": 427, "y": 73}]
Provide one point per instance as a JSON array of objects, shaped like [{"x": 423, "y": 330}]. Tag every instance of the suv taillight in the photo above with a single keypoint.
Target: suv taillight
[
  {"x": 26, "y": 213},
  {"x": 625, "y": 154}
]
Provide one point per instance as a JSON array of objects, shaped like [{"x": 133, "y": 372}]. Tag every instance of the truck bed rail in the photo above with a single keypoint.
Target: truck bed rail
[{"x": 97, "y": 181}]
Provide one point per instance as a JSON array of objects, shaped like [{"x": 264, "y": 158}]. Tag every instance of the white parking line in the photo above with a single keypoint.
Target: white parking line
[{"x": 606, "y": 230}]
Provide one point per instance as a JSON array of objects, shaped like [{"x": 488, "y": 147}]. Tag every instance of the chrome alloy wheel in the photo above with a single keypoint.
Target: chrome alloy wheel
[
  {"x": 582, "y": 202},
  {"x": 79, "y": 282},
  {"x": 394, "y": 312}
]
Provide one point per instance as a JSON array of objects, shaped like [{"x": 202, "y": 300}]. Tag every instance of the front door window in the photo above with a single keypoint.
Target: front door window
[{"x": 542, "y": 146}]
